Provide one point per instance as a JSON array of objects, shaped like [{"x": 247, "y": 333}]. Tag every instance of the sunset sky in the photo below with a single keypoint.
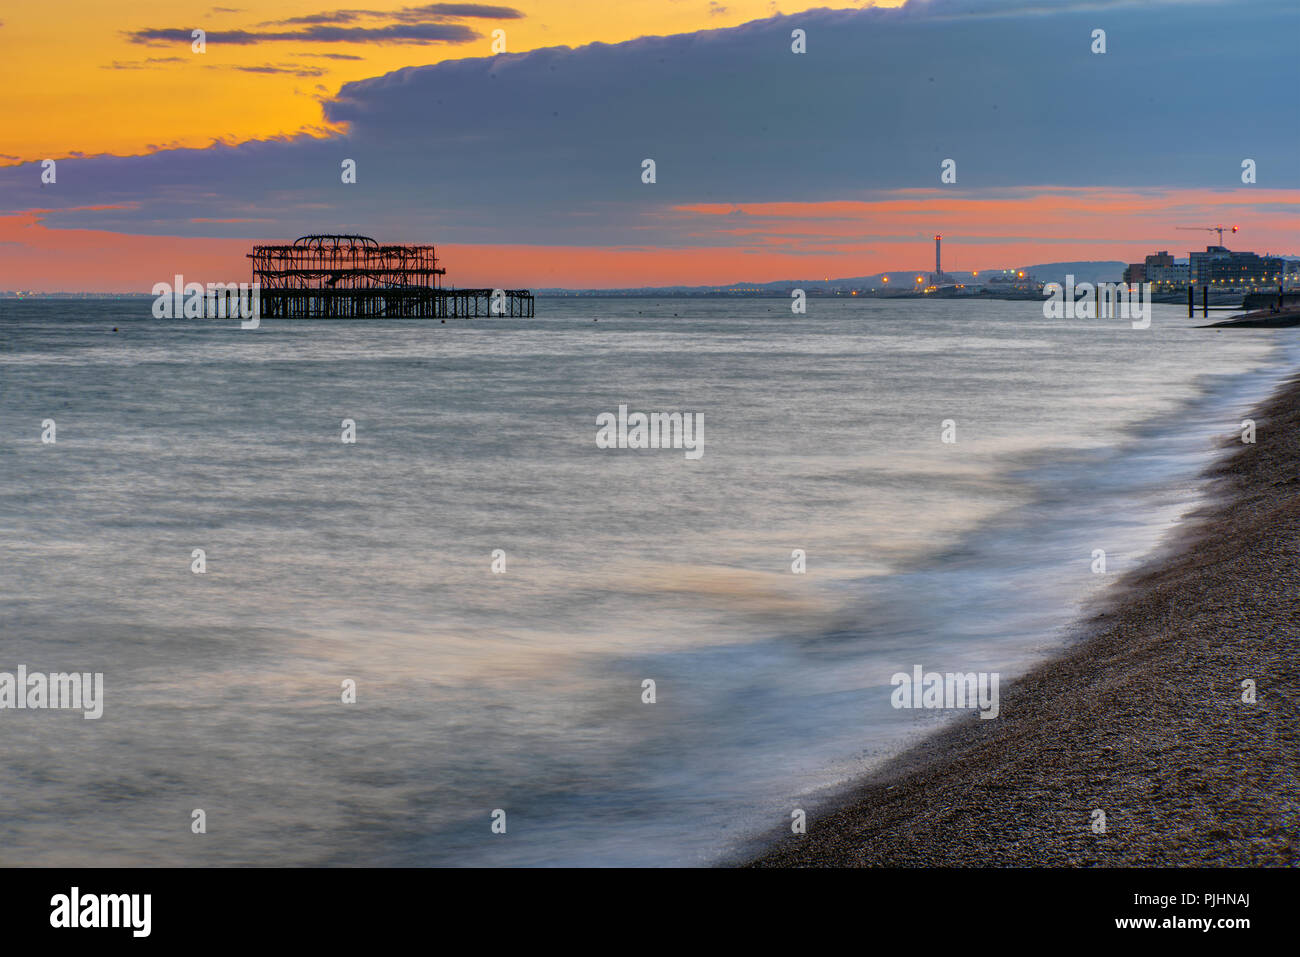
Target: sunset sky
[{"x": 525, "y": 167}]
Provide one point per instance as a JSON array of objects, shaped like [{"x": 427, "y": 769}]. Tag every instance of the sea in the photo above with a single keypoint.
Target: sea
[{"x": 472, "y": 636}]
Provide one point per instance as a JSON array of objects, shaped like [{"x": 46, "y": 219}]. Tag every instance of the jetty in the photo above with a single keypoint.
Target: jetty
[
  {"x": 343, "y": 276},
  {"x": 1264, "y": 310}
]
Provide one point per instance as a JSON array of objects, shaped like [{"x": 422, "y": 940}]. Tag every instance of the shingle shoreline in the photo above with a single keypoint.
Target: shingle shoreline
[{"x": 1142, "y": 718}]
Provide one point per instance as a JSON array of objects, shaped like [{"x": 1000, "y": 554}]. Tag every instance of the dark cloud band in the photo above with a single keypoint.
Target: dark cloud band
[{"x": 394, "y": 33}]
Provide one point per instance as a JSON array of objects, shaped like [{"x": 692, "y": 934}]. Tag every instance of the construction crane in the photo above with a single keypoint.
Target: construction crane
[{"x": 1212, "y": 229}]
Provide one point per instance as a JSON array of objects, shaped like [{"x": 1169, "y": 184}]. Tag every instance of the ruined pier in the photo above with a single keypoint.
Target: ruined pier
[{"x": 354, "y": 277}]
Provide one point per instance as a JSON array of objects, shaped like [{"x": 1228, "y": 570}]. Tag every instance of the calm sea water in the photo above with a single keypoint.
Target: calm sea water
[{"x": 522, "y": 691}]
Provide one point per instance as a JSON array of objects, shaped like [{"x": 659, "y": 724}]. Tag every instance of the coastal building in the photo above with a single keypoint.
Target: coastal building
[
  {"x": 1160, "y": 269},
  {"x": 1291, "y": 273},
  {"x": 1221, "y": 267},
  {"x": 1175, "y": 274}
]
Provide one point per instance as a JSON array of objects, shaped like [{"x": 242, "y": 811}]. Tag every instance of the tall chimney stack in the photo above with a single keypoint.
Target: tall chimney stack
[{"x": 938, "y": 268}]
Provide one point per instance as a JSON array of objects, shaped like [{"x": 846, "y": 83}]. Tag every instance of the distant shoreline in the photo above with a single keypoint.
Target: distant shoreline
[
  {"x": 780, "y": 296},
  {"x": 1142, "y": 718}
]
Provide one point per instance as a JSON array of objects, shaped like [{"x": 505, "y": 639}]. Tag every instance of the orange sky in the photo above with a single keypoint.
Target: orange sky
[
  {"x": 63, "y": 95},
  {"x": 792, "y": 240}
]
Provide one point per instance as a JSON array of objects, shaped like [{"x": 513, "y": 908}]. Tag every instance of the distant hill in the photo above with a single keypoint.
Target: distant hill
[{"x": 1093, "y": 271}]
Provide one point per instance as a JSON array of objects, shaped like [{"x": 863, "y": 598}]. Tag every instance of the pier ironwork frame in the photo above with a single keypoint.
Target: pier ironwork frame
[{"x": 341, "y": 276}]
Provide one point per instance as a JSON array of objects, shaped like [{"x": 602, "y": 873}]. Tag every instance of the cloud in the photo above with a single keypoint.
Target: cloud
[
  {"x": 547, "y": 146},
  {"x": 291, "y": 70},
  {"x": 394, "y": 33},
  {"x": 940, "y": 9},
  {"x": 471, "y": 10},
  {"x": 144, "y": 64},
  {"x": 431, "y": 11}
]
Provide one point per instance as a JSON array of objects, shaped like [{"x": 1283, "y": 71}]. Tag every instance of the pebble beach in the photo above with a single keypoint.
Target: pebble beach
[{"x": 1146, "y": 717}]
